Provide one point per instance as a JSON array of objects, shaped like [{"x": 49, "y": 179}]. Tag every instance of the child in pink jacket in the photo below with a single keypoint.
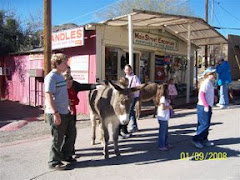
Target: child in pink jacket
[{"x": 172, "y": 91}]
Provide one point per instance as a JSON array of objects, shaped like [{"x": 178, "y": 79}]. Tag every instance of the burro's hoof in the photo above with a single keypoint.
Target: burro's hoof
[
  {"x": 117, "y": 153},
  {"x": 106, "y": 156},
  {"x": 93, "y": 143}
]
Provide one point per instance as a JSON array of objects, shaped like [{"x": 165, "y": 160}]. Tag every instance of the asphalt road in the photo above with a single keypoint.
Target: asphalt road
[{"x": 27, "y": 158}]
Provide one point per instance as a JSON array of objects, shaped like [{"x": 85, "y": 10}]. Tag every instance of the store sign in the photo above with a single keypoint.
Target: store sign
[
  {"x": 153, "y": 40},
  {"x": 79, "y": 68},
  {"x": 1, "y": 71},
  {"x": 36, "y": 57},
  {"x": 159, "y": 73},
  {"x": 68, "y": 38}
]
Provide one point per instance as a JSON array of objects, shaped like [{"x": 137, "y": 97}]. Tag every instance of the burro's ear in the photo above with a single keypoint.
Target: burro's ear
[
  {"x": 160, "y": 86},
  {"x": 114, "y": 86},
  {"x": 138, "y": 88}
]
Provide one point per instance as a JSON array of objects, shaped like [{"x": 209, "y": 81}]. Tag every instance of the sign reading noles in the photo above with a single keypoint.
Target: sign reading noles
[
  {"x": 153, "y": 40},
  {"x": 68, "y": 38}
]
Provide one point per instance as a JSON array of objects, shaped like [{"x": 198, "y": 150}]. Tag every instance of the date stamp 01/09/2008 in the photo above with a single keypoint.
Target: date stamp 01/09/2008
[{"x": 199, "y": 156}]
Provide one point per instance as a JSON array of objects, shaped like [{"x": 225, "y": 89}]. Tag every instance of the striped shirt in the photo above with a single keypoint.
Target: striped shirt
[{"x": 56, "y": 84}]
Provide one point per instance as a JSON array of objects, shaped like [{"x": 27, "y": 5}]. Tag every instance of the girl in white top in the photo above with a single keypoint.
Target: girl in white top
[
  {"x": 204, "y": 109},
  {"x": 163, "y": 115}
]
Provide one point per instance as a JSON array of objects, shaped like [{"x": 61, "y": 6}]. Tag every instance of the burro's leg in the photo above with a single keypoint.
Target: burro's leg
[
  {"x": 155, "y": 106},
  {"x": 138, "y": 109},
  {"x": 105, "y": 135},
  {"x": 93, "y": 121},
  {"x": 101, "y": 131},
  {"x": 115, "y": 130}
]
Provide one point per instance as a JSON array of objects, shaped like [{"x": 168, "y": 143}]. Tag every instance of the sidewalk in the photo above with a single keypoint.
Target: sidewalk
[
  {"x": 140, "y": 158},
  {"x": 179, "y": 103}
]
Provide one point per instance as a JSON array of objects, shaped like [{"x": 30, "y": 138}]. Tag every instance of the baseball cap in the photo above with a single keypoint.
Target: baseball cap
[{"x": 208, "y": 70}]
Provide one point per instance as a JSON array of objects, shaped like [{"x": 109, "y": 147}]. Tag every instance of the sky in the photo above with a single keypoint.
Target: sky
[{"x": 226, "y": 13}]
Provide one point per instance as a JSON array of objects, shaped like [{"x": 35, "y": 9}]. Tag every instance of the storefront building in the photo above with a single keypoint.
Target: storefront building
[
  {"x": 100, "y": 51},
  {"x": 158, "y": 55}
]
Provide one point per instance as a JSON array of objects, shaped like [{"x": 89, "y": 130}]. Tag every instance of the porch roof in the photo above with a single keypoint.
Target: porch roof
[{"x": 201, "y": 32}]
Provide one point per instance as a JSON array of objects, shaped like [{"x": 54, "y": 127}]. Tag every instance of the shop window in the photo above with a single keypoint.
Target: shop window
[
  {"x": 124, "y": 61},
  {"x": 134, "y": 61},
  {"x": 144, "y": 74},
  {"x": 111, "y": 63}
]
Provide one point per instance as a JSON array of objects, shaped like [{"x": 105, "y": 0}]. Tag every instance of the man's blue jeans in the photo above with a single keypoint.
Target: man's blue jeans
[
  {"x": 204, "y": 121},
  {"x": 132, "y": 115},
  {"x": 223, "y": 99},
  {"x": 163, "y": 133}
]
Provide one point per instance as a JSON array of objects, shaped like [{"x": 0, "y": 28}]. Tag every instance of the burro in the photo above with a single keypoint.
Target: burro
[{"x": 111, "y": 105}]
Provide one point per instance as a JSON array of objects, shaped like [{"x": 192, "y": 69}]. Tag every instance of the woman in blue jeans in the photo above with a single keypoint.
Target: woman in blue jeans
[
  {"x": 204, "y": 109},
  {"x": 133, "y": 81},
  {"x": 163, "y": 115}
]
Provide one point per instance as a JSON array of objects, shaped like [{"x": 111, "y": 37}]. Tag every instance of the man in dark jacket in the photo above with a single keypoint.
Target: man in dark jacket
[{"x": 224, "y": 79}]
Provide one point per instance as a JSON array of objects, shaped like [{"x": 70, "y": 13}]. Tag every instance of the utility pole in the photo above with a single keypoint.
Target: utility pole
[
  {"x": 206, "y": 47},
  {"x": 212, "y": 54},
  {"x": 47, "y": 36},
  {"x": 212, "y": 12}
]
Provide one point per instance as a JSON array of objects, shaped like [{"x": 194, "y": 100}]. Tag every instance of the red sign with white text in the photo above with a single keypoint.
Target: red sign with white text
[{"x": 68, "y": 38}]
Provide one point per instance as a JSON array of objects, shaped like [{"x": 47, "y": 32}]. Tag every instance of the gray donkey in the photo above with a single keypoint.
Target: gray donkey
[{"x": 111, "y": 105}]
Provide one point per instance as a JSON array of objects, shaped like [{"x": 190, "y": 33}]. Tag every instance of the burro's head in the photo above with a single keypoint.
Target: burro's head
[{"x": 121, "y": 101}]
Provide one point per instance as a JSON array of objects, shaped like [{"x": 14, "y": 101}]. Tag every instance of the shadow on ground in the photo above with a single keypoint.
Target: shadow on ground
[
  {"x": 11, "y": 111},
  {"x": 142, "y": 149}
]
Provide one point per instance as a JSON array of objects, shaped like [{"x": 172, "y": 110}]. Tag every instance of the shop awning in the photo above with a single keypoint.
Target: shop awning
[{"x": 201, "y": 32}]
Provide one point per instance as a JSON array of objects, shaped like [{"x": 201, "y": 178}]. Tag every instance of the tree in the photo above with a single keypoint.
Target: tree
[
  {"x": 10, "y": 33},
  {"x": 123, "y": 7},
  {"x": 16, "y": 35}
]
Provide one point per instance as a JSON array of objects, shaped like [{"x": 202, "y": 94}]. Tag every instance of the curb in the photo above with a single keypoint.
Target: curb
[{"x": 18, "y": 124}]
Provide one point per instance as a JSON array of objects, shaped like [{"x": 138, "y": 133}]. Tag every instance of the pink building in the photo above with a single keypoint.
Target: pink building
[{"x": 22, "y": 74}]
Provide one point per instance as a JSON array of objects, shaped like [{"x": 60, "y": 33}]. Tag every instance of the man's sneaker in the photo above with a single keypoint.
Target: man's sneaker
[
  {"x": 59, "y": 166},
  {"x": 133, "y": 130},
  {"x": 197, "y": 144},
  {"x": 218, "y": 105},
  {"x": 169, "y": 146},
  {"x": 70, "y": 159},
  {"x": 223, "y": 106},
  {"x": 162, "y": 148},
  {"x": 208, "y": 143},
  {"x": 125, "y": 135}
]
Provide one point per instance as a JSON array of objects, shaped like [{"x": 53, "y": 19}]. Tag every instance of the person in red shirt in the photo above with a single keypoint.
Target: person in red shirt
[
  {"x": 73, "y": 100},
  {"x": 72, "y": 96}
]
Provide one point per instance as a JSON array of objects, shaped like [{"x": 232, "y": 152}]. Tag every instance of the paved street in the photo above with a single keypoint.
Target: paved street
[{"x": 27, "y": 158}]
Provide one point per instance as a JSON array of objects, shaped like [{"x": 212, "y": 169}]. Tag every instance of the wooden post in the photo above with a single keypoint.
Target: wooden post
[
  {"x": 47, "y": 31},
  {"x": 188, "y": 64},
  {"x": 206, "y": 47},
  {"x": 47, "y": 36},
  {"x": 196, "y": 68},
  {"x": 130, "y": 40}
]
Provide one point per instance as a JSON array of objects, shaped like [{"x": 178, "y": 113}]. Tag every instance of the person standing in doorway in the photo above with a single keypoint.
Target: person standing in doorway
[
  {"x": 57, "y": 114},
  {"x": 204, "y": 109},
  {"x": 133, "y": 82},
  {"x": 224, "y": 79}
]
